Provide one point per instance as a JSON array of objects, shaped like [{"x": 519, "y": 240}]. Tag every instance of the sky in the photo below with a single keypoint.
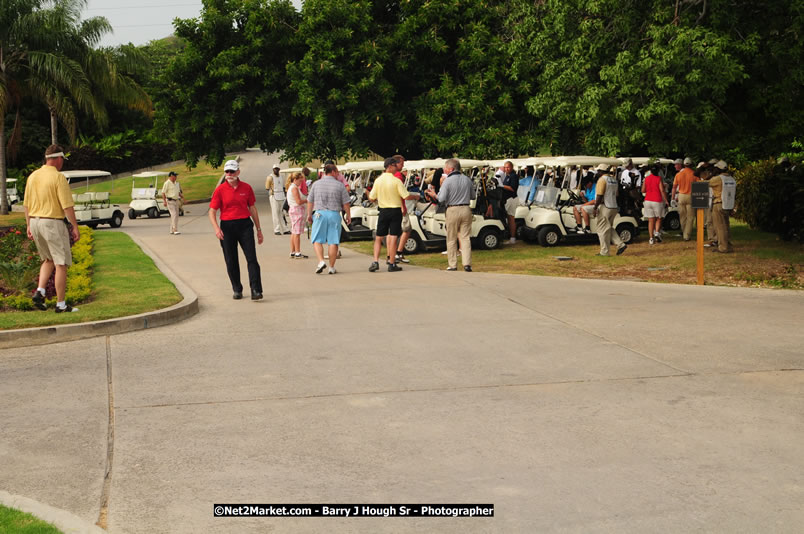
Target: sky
[{"x": 140, "y": 21}]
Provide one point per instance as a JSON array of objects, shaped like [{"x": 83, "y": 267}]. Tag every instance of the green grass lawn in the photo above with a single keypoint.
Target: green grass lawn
[
  {"x": 197, "y": 184},
  {"x": 125, "y": 282},
  {"x": 12, "y": 219},
  {"x": 16, "y": 522},
  {"x": 760, "y": 260}
]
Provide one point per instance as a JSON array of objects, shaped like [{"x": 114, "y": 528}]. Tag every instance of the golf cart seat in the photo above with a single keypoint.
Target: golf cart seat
[
  {"x": 83, "y": 198},
  {"x": 101, "y": 198}
]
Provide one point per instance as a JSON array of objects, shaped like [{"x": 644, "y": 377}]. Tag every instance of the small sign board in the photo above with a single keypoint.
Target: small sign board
[{"x": 700, "y": 195}]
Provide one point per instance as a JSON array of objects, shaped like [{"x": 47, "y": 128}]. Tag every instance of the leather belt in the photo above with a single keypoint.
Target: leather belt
[{"x": 456, "y": 205}]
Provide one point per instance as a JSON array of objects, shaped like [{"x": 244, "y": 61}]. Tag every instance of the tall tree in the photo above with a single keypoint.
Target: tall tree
[
  {"x": 228, "y": 84},
  {"x": 32, "y": 64}
]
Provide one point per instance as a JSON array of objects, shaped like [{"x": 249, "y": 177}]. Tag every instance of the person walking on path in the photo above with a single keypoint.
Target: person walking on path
[
  {"x": 655, "y": 203},
  {"x": 606, "y": 209},
  {"x": 457, "y": 191},
  {"x": 389, "y": 193},
  {"x": 328, "y": 197},
  {"x": 48, "y": 200},
  {"x": 682, "y": 193},
  {"x": 724, "y": 188},
  {"x": 236, "y": 202},
  {"x": 172, "y": 196},
  {"x": 276, "y": 192},
  {"x": 296, "y": 202}
]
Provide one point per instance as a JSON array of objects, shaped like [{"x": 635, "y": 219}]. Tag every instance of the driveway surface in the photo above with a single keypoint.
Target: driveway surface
[{"x": 571, "y": 405}]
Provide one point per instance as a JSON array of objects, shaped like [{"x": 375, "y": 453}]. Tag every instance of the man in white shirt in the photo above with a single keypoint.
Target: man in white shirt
[{"x": 276, "y": 192}]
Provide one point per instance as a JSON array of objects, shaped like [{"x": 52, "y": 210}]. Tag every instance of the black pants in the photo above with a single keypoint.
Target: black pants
[{"x": 234, "y": 232}]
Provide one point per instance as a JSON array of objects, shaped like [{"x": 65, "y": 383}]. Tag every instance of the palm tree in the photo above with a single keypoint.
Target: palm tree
[
  {"x": 48, "y": 53},
  {"x": 31, "y": 63}
]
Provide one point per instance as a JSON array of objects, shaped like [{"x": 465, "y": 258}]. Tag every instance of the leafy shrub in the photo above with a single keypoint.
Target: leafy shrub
[
  {"x": 79, "y": 274},
  {"x": 770, "y": 197}
]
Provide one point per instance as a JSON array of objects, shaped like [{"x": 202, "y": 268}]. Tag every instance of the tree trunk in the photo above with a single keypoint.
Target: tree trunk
[
  {"x": 54, "y": 128},
  {"x": 3, "y": 186}
]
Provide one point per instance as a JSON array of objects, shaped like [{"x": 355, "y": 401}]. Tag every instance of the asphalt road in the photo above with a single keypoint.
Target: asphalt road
[{"x": 571, "y": 405}]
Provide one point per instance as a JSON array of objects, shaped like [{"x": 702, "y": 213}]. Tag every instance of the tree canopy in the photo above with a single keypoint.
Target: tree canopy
[{"x": 479, "y": 78}]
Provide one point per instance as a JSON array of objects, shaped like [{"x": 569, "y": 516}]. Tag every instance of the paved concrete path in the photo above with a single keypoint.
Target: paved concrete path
[{"x": 572, "y": 405}]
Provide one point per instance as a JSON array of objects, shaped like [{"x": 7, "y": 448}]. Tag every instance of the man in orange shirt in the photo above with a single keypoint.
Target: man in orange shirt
[{"x": 682, "y": 193}]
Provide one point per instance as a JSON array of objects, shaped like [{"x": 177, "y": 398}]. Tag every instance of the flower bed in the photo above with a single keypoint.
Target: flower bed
[{"x": 19, "y": 270}]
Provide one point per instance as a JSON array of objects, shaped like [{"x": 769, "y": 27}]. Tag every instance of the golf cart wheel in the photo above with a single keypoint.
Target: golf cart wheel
[
  {"x": 412, "y": 245},
  {"x": 117, "y": 219},
  {"x": 520, "y": 230},
  {"x": 672, "y": 222},
  {"x": 132, "y": 214},
  {"x": 153, "y": 213},
  {"x": 489, "y": 238},
  {"x": 549, "y": 236},
  {"x": 626, "y": 232}
]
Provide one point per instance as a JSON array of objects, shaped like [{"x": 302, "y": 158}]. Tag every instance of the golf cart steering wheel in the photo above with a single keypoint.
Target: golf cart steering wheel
[{"x": 573, "y": 197}]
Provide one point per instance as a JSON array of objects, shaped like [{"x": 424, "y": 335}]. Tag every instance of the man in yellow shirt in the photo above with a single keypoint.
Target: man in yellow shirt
[
  {"x": 389, "y": 193},
  {"x": 682, "y": 193},
  {"x": 47, "y": 200}
]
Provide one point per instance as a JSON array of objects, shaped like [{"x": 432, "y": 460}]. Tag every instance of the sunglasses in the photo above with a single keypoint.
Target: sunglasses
[{"x": 229, "y": 171}]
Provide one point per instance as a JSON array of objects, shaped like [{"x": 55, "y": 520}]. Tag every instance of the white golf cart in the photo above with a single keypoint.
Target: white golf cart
[
  {"x": 550, "y": 217},
  {"x": 11, "y": 191},
  {"x": 359, "y": 175},
  {"x": 148, "y": 200},
  {"x": 94, "y": 208}
]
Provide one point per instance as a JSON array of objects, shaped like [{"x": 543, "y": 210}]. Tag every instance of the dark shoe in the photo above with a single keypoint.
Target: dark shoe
[
  {"x": 287, "y": 232},
  {"x": 394, "y": 268},
  {"x": 237, "y": 295},
  {"x": 657, "y": 238},
  {"x": 622, "y": 249},
  {"x": 256, "y": 296},
  {"x": 402, "y": 258},
  {"x": 277, "y": 233},
  {"x": 374, "y": 267},
  {"x": 39, "y": 301},
  {"x": 66, "y": 309},
  {"x": 452, "y": 268},
  {"x": 587, "y": 230},
  {"x": 467, "y": 268}
]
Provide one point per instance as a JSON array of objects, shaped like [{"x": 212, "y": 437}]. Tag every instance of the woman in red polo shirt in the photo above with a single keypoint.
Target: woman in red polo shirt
[{"x": 235, "y": 200}]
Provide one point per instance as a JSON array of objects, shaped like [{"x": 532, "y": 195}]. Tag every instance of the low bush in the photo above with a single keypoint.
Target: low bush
[
  {"x": 770, "y": 197},
  {"x": 18, "y": 253}
]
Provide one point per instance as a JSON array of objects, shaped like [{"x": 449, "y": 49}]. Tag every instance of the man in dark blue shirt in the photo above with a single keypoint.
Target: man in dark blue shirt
[{"x": 510, "y": 199}]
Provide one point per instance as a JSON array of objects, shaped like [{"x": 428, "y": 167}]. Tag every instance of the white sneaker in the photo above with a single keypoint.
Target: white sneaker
[
  {"x": 176, "y": 233},
  {"x": 320, "y": 268},
  {"x": 332, "y": 270},
  {"x": 650, "y": 241},
  {"x": 512, "y": 241}
]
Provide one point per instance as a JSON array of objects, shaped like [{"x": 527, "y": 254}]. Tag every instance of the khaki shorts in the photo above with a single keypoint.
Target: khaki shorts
[
  {"x": 653, "y": 210},
  {"x": 52, "y": 240},
  {"x": 511, "y": 205},
  {"x": 406, "y": 227}
]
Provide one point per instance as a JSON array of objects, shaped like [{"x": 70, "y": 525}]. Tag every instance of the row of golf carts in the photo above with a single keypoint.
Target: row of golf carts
[
  {"x": 544, "y": 213},
  {"x": 94, "y": 207}
]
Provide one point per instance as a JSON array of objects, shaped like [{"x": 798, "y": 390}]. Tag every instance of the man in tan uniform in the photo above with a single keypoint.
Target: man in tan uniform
[
  {"x": 723, "y": 187},
  {"x": 173, "y": 197},
  {"x": 47, "y": 200}
]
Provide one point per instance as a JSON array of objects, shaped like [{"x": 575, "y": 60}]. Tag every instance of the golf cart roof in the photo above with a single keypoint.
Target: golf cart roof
[
  {"x": 644, "y": 161},
  {"x": 415, "y": 165},
  {"x": 11, "y": 180},
  {"x": 362, "y": 166},
  {"x": 518, "y": 163},
  {"x": 290, "y": 169},
  {"x": 150, "y": 174},
  {"x": 85, "y": 174},
  {"x": 580, "y": 161}
]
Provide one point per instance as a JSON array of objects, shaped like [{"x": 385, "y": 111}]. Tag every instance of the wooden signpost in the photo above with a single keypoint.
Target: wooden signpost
[{"x": 700, "y": 202}]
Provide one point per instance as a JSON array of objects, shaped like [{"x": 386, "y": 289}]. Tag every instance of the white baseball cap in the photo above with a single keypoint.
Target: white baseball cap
[
  {"x": 231, "y": 165},
  {"x": 722, "y": 165}
]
